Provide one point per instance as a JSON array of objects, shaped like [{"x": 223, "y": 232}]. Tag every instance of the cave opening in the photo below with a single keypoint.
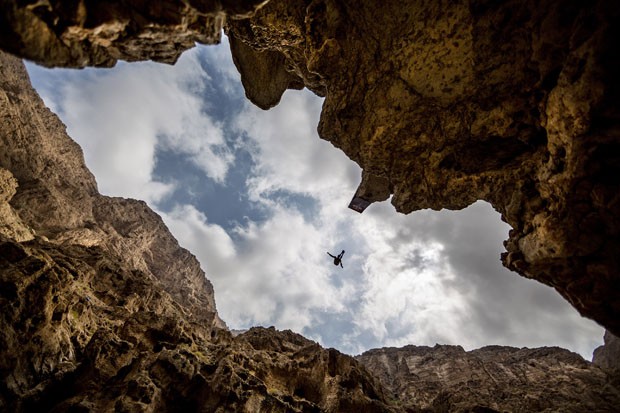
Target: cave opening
[{"x": 259, "y": 198}]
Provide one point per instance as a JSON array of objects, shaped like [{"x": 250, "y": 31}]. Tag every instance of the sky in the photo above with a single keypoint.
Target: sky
[{"x": 260, "y": 199}]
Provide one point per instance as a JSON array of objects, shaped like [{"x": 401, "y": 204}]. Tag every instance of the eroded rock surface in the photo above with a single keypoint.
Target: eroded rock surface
[
  {"x": 492, "y": 379},
  {"x": 442, "y": 103},
  {"x": 607, "y": 356},
  {"x": 81, "y": 333},
  {"x": 93, "y": 33},
  {"x": 57, "y": 199}
]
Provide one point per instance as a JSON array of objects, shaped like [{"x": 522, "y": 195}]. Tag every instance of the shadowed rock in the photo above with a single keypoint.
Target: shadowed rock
[{"x": 93, "y": 33}]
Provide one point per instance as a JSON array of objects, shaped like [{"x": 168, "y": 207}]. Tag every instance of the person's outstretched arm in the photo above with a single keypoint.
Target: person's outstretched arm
[
  {"x": 330, "y": 255},
  {"x": 341, "y": 264}
]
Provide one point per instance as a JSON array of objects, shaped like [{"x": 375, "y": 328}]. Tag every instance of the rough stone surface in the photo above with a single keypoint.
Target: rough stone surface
[
  {"x": 492, "y": 379},
  {"x": 607, "y": 356},
  {"x": 57, "y": 198},
  {"x": 81, "y": 333},
  {"x": 11, "y": 224},
  {"x": 92, "y": 33},
  {"x": 264, "y": 77},
  {"x": 447, "y": 102}
]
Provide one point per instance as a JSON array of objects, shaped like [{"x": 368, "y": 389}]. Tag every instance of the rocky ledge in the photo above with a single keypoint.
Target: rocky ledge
[{"x": 491, "y": 379}]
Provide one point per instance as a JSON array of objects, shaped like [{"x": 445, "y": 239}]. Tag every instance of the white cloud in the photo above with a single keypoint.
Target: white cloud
[
  {"x": 291, "y": 157},
  {"x": 121, "y": 117},
  {"x": 414, "y": 302},
  {"x": 222, "y": 62},
  {"x": 267, "y": 275},
  {"x": 435, "y": 277}
]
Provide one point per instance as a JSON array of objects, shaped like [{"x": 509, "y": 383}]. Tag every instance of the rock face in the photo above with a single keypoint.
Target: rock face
[
  {"x": 491, "y": 379},
  {"x": 607, "y": 356},
  {"x": 92, "y": 33},
  {"x": 81, "y": 333},
  {"x": 57, "y": 199},
  {"x": 103, "y": 311}
]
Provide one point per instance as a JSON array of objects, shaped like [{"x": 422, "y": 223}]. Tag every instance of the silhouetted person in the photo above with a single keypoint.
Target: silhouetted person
[{"x": 338, "y": 259}]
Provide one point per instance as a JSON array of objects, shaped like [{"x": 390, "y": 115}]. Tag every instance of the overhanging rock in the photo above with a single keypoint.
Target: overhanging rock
[{"x": 373, "y": 188}]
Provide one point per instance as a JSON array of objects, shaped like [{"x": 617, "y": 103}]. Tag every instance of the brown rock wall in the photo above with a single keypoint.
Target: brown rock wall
[
  {"x": 11, "y": 225},
  {"x": 57, "y": 198},
  {"x": 80, "y": 332},
  {"x": 607, "y": 356},
  {"x": 93, "y": 33},
  {"x": 491, "y": 379}
]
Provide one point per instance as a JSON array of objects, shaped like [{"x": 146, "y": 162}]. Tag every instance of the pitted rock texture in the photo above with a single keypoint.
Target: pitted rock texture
[
  {"x": 81, "y": 333},
  {"x": 607, "y": 356},
  {"x": 491, "y": 379},
  {"x": 93, "y": 33},
  {"x": 11, "y": 225},
  {"x": 443, "y": 103}
]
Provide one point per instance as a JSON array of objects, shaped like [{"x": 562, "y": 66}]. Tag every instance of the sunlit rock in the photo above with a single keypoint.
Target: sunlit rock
[{"x": 491, "y": 379}]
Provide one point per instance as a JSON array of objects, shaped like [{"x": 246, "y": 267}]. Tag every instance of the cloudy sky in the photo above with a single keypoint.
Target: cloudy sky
[{"x": 260, "y": 199}]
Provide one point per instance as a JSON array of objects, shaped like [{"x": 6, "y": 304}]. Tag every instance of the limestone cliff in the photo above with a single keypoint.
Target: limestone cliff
[{"x": 492, "y": 379}]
